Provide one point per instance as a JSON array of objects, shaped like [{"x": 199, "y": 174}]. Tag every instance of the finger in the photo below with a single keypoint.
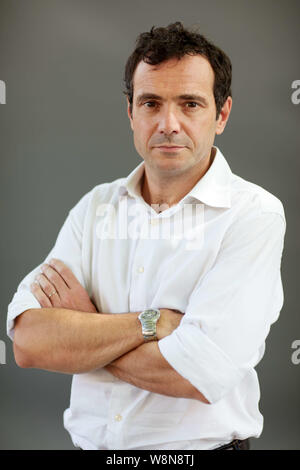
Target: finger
[
  {"x": 49, "y": 289},
  {"x": 65, "y": 272},
  {"x": 40, "y": 295},
  {"x": 54, "y": 278}
]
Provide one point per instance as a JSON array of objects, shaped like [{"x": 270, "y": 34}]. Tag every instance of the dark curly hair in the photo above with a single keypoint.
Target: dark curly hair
[{"x": 164, "y": 43}]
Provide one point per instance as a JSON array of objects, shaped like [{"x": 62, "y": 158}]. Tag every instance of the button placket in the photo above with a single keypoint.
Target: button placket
[{"x": 119, "y": 402}]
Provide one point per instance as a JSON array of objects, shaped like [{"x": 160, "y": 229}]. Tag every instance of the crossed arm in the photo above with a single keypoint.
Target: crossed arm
[
  {"x": 146, "y": 368},
  {"x": 69, "y": 335}
]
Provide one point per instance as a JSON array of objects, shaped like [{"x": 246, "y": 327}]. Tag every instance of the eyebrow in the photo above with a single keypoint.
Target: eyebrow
[{"x": 189, "y": 97}]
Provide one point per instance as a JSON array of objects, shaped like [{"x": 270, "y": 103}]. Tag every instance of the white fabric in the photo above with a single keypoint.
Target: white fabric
[{"x": 228, "y": 285}]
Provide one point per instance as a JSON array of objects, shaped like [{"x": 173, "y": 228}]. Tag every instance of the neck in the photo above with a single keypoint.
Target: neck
[{"x": 168, "y": 190}]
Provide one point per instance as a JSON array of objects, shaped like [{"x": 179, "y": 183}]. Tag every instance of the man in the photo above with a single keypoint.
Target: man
[{"x": 162, "y": 328}]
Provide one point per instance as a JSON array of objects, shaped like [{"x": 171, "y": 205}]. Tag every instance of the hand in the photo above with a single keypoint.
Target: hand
[
  {"x": 169, "y": 320},
  {"x": 67, "y": 292}
]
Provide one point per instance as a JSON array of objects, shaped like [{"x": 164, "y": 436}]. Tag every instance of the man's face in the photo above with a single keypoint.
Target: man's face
[{"x": 174, "y": 114}]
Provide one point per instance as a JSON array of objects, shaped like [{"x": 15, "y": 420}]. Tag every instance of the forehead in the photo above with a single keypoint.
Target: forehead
[{"x": 189, "y": 74}]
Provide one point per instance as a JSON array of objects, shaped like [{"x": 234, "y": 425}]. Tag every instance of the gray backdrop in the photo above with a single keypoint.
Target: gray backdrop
[{"x": 64, "y": 129}]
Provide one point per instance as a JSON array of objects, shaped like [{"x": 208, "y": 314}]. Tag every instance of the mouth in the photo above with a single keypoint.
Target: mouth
[{"x": 170, "y": 148}]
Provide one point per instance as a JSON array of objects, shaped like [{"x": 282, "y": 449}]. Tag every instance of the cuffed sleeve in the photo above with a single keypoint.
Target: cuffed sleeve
[
  {"x": 67, "y": 248},
  {"x": 231, "y": 309}
]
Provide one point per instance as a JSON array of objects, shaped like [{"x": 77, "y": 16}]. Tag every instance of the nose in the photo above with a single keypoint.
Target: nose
[{"x": 168, "y": 122}]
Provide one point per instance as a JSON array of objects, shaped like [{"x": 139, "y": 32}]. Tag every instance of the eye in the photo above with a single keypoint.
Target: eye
[
  {"x": 150, "y": 104},
  {"x": 192, "y": 104}
]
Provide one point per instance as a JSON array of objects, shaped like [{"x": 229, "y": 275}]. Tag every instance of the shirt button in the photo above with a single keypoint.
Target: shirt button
[
  {"x": 118, "y": 418},
  {"x": 141, "y": 269}
]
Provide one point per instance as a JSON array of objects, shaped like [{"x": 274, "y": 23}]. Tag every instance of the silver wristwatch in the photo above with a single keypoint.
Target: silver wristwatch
[{"x": 148, "y": 319}]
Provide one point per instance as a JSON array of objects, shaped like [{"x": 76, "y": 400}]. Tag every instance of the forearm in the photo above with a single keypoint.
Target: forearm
[
  {"x": 146, "y": 368},
  {"x": 73, "y": 342}
]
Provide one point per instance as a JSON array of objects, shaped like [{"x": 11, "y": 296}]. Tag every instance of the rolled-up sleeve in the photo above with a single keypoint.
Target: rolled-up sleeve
[
  {"x": 230, "y": 311},
  {"x": 67, "y": 248}
]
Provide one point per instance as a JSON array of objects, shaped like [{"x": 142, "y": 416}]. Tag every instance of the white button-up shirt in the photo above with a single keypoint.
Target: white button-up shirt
[{"x": 222, "y": 271}]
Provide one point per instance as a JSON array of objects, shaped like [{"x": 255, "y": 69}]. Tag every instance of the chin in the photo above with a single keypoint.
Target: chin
[{"x": 171, "y": 166}]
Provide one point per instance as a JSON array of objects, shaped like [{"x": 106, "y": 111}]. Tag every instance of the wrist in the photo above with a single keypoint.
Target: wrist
[{"x": 169, "y": 321}]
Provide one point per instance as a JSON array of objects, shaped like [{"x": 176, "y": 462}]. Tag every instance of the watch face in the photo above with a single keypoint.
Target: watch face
[{"x": 150, "y": 314}]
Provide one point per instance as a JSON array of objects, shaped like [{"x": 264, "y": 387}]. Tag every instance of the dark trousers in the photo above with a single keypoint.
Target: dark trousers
[{"x": 236, "y": 445}]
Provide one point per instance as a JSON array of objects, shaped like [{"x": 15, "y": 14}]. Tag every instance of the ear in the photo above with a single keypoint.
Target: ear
[
  {"x": 224, "y": 115},
  {"x": 129, "y": 114}
]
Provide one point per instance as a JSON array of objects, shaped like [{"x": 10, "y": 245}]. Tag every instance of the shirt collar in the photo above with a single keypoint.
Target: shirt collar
[{"x": 212, "y": 189}]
